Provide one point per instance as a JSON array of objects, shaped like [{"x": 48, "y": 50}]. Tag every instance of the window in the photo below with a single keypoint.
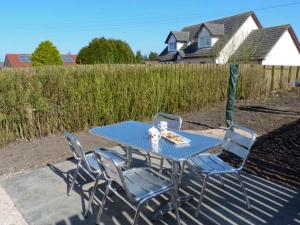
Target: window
[
  {"x": 24, "y": 58},
  {"x": 205, "y": 42},
  {"x": 172, "y": 46}
]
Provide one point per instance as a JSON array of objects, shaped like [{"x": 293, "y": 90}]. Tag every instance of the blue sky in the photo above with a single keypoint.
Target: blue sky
[{"x": 143, "y": 24}]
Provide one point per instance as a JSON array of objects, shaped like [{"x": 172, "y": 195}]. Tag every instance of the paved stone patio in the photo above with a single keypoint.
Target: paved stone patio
[{"x": 40, "y": 197}]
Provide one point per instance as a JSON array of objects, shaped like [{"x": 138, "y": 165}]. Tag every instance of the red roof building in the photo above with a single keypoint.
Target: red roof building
[{"x": 24, "y": 60}]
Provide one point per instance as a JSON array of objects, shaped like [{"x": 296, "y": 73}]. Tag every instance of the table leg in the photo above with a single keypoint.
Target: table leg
[
  {"x": 129, "y": 157},
  {"x": 128, "y": 153},
  {"x": 165, "y": 208}
]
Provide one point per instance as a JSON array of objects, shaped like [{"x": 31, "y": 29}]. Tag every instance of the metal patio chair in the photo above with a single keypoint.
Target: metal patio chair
[
  {"x": 86, "y": 160},
  {"x": 139, "y": 184},
  {"x": 238, "y": 140}
]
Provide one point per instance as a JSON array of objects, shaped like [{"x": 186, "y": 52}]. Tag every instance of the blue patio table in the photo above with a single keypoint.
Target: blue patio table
[{"x": 133, "y": 134}]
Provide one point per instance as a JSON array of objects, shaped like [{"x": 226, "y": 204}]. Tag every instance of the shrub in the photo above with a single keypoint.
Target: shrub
[
  {"x": 40, "y": 101},
  {"x": 152, "y": 56},
  {"x": 139, "y": 57},
  {"x": 46, "y": 54},
  {"x": 101, "y": 50}
]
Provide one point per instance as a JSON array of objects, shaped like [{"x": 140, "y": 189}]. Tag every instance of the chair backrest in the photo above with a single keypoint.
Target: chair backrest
[
  {"x": 174, "y": 121},
  {"x": 76, "y": 148},
  {"x": 239, "y": 141},
  {"x": 110, "y": 169}
]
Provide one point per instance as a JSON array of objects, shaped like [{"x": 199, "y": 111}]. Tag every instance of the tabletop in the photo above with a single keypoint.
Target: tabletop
[{"x": 135, "y": 135}]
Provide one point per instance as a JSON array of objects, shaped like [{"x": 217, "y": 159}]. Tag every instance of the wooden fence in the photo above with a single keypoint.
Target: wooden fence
[{"x": 280, "y": 76}]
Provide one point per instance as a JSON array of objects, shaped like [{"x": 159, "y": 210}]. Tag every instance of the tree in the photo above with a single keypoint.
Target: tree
[
  {"x": 101, "y": 50},
  {"x": 46, "y": 54},
  {"x": 152, "y": 56},
  {"x": 139, "y": 57},
  {"x": 145, "y": 57}
]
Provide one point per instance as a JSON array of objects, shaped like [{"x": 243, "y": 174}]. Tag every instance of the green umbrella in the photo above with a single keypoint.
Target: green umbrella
[{"x": 231, "y": 93}]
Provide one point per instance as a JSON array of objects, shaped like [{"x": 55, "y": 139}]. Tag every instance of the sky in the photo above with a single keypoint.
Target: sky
[{"x": 144, "y": 25}]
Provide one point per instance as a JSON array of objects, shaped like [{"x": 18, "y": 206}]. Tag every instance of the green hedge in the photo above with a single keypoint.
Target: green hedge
[{"x": 40, "y": 101}]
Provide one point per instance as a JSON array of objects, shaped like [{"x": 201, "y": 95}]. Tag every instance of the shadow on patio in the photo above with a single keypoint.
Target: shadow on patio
[{"x": 41, "y": 197}]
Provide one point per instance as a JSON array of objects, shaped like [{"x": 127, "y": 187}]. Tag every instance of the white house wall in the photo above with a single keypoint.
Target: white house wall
[
  {"x": 214, "y": 40},
  {"x": 236, "y": 40},
  {"x": 284, "y": 52},
  {"x": 179, "y": 45}
]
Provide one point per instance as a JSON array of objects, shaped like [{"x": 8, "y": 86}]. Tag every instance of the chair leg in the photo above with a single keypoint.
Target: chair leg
[
  {"x": 244, "y": 190},
  {"x": 222, "y": 180},
  {"x": 74, "y": 178},
  {"x": 149, "y": 163},
  {"x": 181, "y": 172},
  {"x": 201, "y": 195},
  {"x": 92, "y": 194},
  {"x": 103, "y": 203},
  {"x": 176, "y": 207},
  {"x": 138, "y": 211},
  {"x": 161, "y": 165}
]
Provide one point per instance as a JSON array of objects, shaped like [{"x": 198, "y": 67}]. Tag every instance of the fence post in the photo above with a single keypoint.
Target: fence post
[
  {"x": 290, "y": 74},
  {"x": 297, "y": 73},
  {"x": 265, "y": 77},
  {"x": 272, "y": 78},
  {"x": 281, "y": 77}
]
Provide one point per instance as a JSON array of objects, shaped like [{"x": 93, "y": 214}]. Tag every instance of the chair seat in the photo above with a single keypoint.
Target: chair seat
[
  {"x": 143, "y": 182},
  {"x": 211, "y": 163}
]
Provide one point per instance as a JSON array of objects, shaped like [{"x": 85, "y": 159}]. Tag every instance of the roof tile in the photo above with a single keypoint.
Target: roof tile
[{"x": 259, "y": 43}]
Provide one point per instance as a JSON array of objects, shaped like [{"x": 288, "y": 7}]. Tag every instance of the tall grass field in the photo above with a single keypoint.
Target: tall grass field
[{"x": 36, "y": 102}]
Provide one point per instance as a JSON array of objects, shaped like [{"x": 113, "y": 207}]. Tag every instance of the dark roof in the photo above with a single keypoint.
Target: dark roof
[
  {"x": 216, "y": 29},
  {"x": 229, "y": 25},
  {"x": 166, "y": 55},
  {"x": 259, "y": 43},
  {"x": 13, "y": 60},
  {"x": 180, "y": 36},
  {"x": 193, "y": 30}
]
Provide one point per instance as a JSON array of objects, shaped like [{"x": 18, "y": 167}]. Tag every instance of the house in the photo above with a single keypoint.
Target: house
[
  {"x": 24, "y": 60},
  {"x": 1, "y": 65},
  {"x": 151, "y": 62},
  {"x": 239, "y": 38}
]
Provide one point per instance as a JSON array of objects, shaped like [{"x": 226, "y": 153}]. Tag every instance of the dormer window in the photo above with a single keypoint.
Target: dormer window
[
  {"x": 172, "y": 47},
  {"x": 205, "y": 42},
  {"x": 204, "y": 39},
  {"x": 209, "y": 34},
  {"x": 176, "y": 39}
]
